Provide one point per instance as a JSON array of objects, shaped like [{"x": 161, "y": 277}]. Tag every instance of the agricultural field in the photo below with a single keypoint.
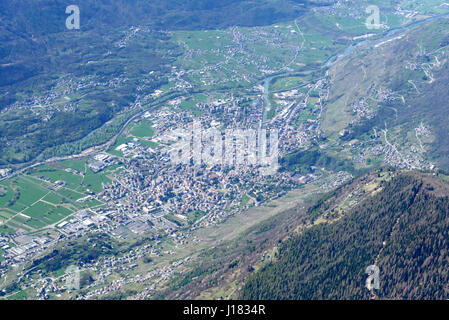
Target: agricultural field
[
  {"x": 142, "y": 129},
  {"x": 238, "y": 56},
  {"x": 48, "y": 194},
  {"x": 138, "y": 133},
  {"x": 289, "y": 83}
]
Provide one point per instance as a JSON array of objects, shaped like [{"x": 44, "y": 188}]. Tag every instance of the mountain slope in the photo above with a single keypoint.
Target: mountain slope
[
  {"x": 410, "y": 215},
  {"x": 394, "y": 91},
  {"x": 46, "y": 16}
]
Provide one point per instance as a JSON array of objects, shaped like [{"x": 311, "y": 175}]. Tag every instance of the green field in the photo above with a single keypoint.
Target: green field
[
  {"x": 190, "y": 105},
  {"x": 94, "y": 181},
  {"x": 289, "y": 83},
  {"x": 53, "y": 198},
  {"x": 120, "y": 140},
  {"x": 142, "y": 129},
  {"x": 78, "y": 165},
  {"x": 33, "y": 201},
  {"x": 72, "y": 181}
]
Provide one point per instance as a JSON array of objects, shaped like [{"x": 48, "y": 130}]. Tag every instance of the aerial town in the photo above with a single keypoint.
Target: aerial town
[{"x": 157, "y": 180}]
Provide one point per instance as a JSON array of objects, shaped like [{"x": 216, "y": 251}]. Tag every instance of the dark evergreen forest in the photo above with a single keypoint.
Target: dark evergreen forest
[{"x": 405, "y": 227}]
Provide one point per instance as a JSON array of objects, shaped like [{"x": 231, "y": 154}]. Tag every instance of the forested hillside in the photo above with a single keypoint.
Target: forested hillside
[
  {"x": 44, "y": 16},
  {"x": 403, "y": 229},
  {"x": 28, "y": 28}
]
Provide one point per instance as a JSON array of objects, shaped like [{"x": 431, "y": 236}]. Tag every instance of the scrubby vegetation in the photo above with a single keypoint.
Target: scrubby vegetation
[
  {"x": 303, "y": 160},
  {"x": 75, "y": 253}
]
